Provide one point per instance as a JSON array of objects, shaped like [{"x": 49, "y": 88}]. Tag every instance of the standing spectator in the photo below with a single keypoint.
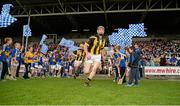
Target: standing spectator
[
  {"x": 66, "y": 68},
  {"x": 15, "y": 60},
  {"x": 52, "y": 63},
  {"x": 29, "y": 59},
  {"x": 19, "y": 61},
  {"x": 133, "y": 64},
  {"x": 142, "y": 64},
  {"x": 138, "y": 52},
  {"x": 122, "y": 67},
  {"x": 115, "y": 65},
  {"x": 178, "y": 63},
  {"x": 163, "y": 60},
  {"x": 5, "y": 57}
]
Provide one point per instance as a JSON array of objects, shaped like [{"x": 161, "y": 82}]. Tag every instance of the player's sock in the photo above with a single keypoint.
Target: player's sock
[
  {"x": 87, "y": 82},
  {"x": 78, "y": 72},
  {"x": 89, "y": 79}
]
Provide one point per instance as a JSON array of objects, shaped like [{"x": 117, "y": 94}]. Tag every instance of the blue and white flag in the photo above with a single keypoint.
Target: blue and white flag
[
  {"x": 137, "y": 30},
  {"x": 123, "y": 36},
  {"x": 6, "y": 9},
  {"x": 63, "y": 42},
  {"x": 5, "y": 18},
  {"x": 112, "y": 39},
  {"x": 66, "y": 43},
  {"x": 27, "y": 30},
  {"x": 73, "y": 48},
  {"x": 128, "y": 39},
  {"x": 69, "y": 43},
  {"x": 122, "y": 32},
  {"x": 44, "y": 37},
  {"x": 44, "y": 49}
]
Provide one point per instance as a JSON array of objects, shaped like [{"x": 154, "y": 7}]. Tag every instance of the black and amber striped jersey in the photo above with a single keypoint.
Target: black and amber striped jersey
[
  {"x": 80, "y": 55},
  {"x": 96, "y": 44}
]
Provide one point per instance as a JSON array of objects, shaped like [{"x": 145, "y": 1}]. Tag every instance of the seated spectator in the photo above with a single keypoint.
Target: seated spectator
[{"x": 173, "y": 60}]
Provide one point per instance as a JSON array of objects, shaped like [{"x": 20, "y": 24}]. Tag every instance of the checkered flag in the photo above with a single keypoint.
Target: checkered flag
[
  {"x": 5, "y": 18},
  {"x": 124, "y": 37},
  {"x": 6, "y": 9},
  {"x": 120, "y": 38},
  {"x": 112, "y": 39},
  {"x": 27, "y": 30},
  {"x": 128, "y": 41},
  {"x": 137, "y": 30},
  {"x": 122, "y": 31}
]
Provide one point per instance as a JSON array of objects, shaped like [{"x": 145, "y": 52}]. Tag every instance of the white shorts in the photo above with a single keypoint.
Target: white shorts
[
  {"x": 94, "y": 58},
  {"x": 32, "y": 68},
  {"x": 66, "y": 70},
  {"x": 58, "y": 67},
  {"x": 53, "y": 67},
  {"x": 70, "y": 67},
  {"x": 76, "y": 63},
  {"x": 40, "y": 66},
  {"x": 36, "y": 66},
  {"x": 16, "y": 64}
]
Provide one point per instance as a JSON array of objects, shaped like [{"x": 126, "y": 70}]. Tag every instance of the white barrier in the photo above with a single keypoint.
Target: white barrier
[{"x": 162, "y": 70}]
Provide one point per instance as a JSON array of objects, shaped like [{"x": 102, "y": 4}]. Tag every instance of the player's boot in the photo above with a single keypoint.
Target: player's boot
[{"x": 87, "y": 82}]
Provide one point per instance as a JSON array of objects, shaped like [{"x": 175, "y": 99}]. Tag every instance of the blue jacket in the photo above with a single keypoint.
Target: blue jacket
[
  {"x": 134, "y": 60},
  {"x": 122, "y": 63},
  {"x": 16, "y": 53},
  {"x": 4, "y": 56}
]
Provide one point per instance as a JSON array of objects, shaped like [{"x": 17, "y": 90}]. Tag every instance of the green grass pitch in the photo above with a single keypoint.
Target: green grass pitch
[{"x": 62, "y": 91}]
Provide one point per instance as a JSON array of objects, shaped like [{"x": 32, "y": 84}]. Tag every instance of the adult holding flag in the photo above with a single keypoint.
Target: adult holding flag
[
  {"x": 133, "y": 64},
  {"x": 94, "y": 49}
]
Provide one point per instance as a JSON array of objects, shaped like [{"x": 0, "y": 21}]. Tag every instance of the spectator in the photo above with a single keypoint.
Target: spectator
[
  {"x": 178, "y": 63},
  {"x": 133, "y": 64},
  {"x": 173, "y": 60},
  {"x": 162, "y": 60}
]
